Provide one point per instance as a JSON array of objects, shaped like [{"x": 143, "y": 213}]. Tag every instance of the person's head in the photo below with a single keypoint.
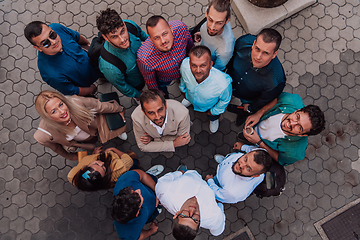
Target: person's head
[
  {"x": 126, "y": 205},
  {"x": 253, "y": 163},
  {"x": 153, "y": 105},
  {"x": 309, "y": 120},
  {"x": 217, "y": 16},
  {"x": 200, "y": 62},
  {"x": 113, "y": 29},
  {"x": 186, "y": 222},
  {"x": 96, "y": 175},
  {"x": 160, "y": 33},
  {"x": 265, "y": 47},
  {"x": 43, "y": 38},
  {"x": 57, "y": 110}
]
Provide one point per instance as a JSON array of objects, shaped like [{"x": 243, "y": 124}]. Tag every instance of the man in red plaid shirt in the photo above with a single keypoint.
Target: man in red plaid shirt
[{"x": 160, "y": 56}]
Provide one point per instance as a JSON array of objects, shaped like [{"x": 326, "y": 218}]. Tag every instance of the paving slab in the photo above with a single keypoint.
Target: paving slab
[{"x": 320, "y": 55}]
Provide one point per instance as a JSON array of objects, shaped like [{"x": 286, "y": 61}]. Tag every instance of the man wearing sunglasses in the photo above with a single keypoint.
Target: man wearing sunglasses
[
  {"x": 63, "y": 64},
  {"x": 192, "y": 202}
]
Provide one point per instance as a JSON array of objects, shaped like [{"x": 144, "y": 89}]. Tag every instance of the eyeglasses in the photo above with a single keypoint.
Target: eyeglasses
[
  {"x": 197, "y": 221},
  {"x": 46, "y": 43}
]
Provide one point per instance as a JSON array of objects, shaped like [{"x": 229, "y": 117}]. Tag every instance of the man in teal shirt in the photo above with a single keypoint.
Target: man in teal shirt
[
  {"x": 124, "y": 45},
  {"x": 282, "y": 127}
]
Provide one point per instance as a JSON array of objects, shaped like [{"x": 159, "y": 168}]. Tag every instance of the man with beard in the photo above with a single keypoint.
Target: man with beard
[
  {"x": 62, "y": 62},
  {"x": 207, "y": 88},
  {"x": 282, "y": 128},
  {"x": 160, "y": 56},
  {"x": 216, "y": 33},
  {"x": 238, "y": 174},
  {"x": 160, "y": 125}
]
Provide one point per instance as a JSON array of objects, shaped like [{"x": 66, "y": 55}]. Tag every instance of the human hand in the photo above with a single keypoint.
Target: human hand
[
  {"x": 93, "y": 89},
  {"x": 122, "y": 114},
  {"x": 97, "y": 150},
  {"x": 238, "y": 145},
  {"x": 153, "y": 227},
  {"x": 208, "y": 177},
  {"x": 146, "y": 139},
  {"x": 74, "y": 157},
  {"x": 197, "y": 37},
  {"x": 252, "y": 120},
  {"x": 253, "y": 138},
  {"x": 182, "y": 140}
]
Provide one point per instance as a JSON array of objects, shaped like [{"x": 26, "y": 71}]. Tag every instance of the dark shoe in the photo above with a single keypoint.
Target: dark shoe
[
  {"x": 241, "y": 118},
  {"x": 235, "y": 108}
]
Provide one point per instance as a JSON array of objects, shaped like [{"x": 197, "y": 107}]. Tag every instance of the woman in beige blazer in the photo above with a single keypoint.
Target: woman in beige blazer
[{"x": 71, "y": 122}]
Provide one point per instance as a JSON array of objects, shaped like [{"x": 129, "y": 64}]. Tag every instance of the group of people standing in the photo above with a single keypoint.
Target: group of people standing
[{"x": 277, "y": 124}]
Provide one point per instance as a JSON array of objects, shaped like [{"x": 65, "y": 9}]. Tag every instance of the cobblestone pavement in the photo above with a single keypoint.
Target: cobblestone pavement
[{"x": 320, "y": 54}]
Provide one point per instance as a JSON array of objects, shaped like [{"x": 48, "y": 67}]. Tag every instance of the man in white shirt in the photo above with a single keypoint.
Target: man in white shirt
[
  {"x": 160, "y": 125},
  {"x": 187, "y": 196},
  {"x": 238, "y": 174},
  {"x": 216, "y": 33}
]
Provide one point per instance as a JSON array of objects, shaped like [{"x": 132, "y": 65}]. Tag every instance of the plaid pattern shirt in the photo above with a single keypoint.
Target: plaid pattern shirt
[{"x": 165, "y": 66}]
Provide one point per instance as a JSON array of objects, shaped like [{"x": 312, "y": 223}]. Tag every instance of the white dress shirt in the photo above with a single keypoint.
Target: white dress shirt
[
  {"x": 234, "y": 188},
  {"x": 174, "y": 188}
]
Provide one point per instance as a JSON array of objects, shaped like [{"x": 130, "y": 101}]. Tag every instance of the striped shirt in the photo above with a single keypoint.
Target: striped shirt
[{"x": 165, "y": 66}]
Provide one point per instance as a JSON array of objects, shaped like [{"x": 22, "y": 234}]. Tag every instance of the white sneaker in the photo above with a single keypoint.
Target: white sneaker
[
  {"x": 219, "y": 158},
  {"x": 155, "y": 170},
  {"x": 123, "y": 136},
  {"x": 214, "y": 126},
  {"x": 185, "y": 102}
]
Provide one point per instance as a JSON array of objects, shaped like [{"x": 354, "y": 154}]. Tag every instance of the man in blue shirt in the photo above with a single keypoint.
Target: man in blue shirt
[
  {"x": 258, "y": 76},
  {"x": 134, "y": 205},
  {"x": 206, "y": 87},
  {"x": 124, "y": 45},
  {"x": 63, "y": 64}
]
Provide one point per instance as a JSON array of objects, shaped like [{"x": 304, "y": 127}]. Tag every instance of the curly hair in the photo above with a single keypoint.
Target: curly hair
[
  {"x": 125, "y": 205},
  {"x": 108, "y": 21},
  {"x": 182, "y": 232},
  {"x": 317, "y": 119},
  {"x": 95, "y": 181}
]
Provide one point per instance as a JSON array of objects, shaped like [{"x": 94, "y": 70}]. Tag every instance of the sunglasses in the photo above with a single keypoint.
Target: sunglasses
[{"x": 46, "y": 43}]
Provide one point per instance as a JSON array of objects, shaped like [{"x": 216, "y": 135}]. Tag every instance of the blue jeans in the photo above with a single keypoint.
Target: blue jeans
[{"x": 163, "y": 87}]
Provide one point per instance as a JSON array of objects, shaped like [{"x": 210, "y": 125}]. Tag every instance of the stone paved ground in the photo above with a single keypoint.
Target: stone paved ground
[{"x": 320, "y": 54}]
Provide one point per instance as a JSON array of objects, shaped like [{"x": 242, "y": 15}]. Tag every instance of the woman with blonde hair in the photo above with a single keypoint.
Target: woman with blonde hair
[{"x": 69, "y": 122}]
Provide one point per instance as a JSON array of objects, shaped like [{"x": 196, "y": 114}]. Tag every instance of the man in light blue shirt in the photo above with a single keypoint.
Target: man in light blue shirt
[
  {"x": 207, "y": 88},
  {"x": 216, "y": 33},
  {"x": 124, "y": 45},
  {"x": 238, "y": 174}
]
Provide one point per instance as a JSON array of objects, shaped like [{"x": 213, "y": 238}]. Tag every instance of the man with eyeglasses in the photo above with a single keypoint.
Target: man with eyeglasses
[
  {"x": 192, "y": 202},
  {"x": 62, "y": 62},
  {"x": 282, "y": 128}
]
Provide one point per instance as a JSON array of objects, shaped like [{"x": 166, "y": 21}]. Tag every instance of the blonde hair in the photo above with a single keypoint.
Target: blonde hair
[{"x": 77, "y": 111}]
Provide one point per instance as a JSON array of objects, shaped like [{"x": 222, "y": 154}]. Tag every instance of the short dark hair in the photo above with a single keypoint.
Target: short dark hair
[
  {"x": 95, "y": 181},
  {"x": 270, "y": 35},
  {"x": 199, "y": 50},
  {"x": 151, "y": 94},
  {"x": 125, "y": 205},
  {"x": 153, "y": 21},
  {"x": 182, "y": 232},
  {"x": 220, "y": 6},
  {"x": 33, "y": 29},
  {"x": 263, "y": 158},
  {"x": 317, "y": 119},
  {"x": 108, "y": 21}
]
